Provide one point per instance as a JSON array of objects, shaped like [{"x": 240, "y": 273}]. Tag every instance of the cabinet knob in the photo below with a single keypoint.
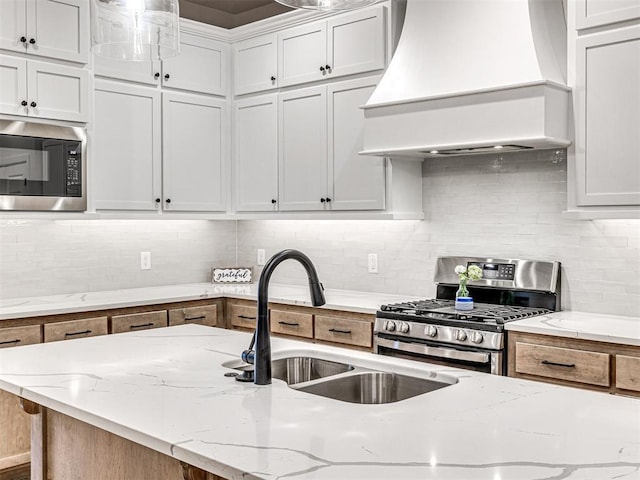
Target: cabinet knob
[
  {"x": 328, "y": 68},
  {"x": 157, "y": 200},
  {"x": 166, "y": 76},
  {"x": 32, "y": 41},
  {"x": 328, "y": 199},
  {"x": 34, "y": 104},
  {"x": 273, "y": 79},
  {"x": 274, "y": 201},
  {"x": 24, "y": 103},
  {"x": 156, "y": 75},
  {"x": 23, "y": 39},
  {"x": 322, "y": 69},
  {"x": 322, "y": 200},
  {"x": 168, "y": 200}
]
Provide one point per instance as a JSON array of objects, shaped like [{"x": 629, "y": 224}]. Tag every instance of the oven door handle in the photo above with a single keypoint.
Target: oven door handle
[{"x": 451, "y": 353}]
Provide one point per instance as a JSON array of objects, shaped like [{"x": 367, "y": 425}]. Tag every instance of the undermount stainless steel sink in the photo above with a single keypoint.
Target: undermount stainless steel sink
[
  {"x": 346, "y": 382},
  {"x": 373, "y": 387},
  {"x": 294, "y": 370}
]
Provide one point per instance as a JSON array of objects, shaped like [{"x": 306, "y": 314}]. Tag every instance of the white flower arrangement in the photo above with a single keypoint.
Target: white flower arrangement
[{"x": 472, "y": 272}]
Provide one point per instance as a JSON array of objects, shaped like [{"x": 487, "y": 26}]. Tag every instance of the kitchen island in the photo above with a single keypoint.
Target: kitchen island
[{"x": 165, "y": 390}]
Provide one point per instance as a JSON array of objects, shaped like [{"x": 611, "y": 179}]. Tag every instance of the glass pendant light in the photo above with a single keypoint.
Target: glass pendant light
[
  {"x": 327, "y": 5},
  {"x": 135, "y": 30}
]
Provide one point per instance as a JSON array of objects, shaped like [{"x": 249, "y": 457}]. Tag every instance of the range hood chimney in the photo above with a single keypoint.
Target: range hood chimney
[{"x": 473, "y": 76}]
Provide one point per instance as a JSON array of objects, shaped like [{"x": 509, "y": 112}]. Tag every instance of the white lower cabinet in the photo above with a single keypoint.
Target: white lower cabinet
[
  {"x": 154, "y": 150},
  {"x": 43, "y": 90},
  {"x": 320, "y": 135},
  {"x": 256, "y": 153},
  {"x": 194, "y": 153}
]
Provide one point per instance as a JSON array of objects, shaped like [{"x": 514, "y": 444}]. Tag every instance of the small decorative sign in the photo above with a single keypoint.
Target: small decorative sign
[{"x": 231, "y": 275}]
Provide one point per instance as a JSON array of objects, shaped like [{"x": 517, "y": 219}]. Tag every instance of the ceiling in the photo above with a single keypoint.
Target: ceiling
[{"x": 230, "y": 13}]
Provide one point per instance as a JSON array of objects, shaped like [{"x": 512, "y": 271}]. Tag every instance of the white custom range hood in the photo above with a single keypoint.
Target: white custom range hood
[{"x": 472, "y": 75}]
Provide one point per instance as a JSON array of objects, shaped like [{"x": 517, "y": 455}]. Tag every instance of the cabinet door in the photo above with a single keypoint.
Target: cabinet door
[
  {"x": 59, "y": 28},
  {"x": 126, "y": 147},
  {"x": 138, "y": 321},
  {"x": 303, "y": 149},
  {"x": 594, "y": 13},
  {"x": 19, "y": 336},
  {"x": 13, "y": 78},
  {"x": 141, "y": 72},
  {"x": 200, "y": 67},
  {"x": 194, "y": 152},
  {"x": 255, "y": 64},
  {"x": 358, "y": 181},
  {"x": 86, "y": 327},
  {"x": 256, "y": 153},
  {"x": 302, "y": 54},
  {"x": 202, "y": 315},
  {"x": 13, "y": 25},
  {"x": 356, "y": 42},
  {"x": 58, "y": 91},
  {"x": 608, "y": 118}
]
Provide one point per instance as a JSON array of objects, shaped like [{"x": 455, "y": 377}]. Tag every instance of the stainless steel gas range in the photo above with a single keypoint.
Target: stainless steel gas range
[{"x": 433, "y": 331}]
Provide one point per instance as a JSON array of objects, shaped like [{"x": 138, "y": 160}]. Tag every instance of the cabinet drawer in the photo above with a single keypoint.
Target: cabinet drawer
[
  {"x": 628, "y": 372},
  {"x": 339, "y": 330},
  {"x": 138, "y": 321},
  {"x": 292, "y": 323},
  {"x": 17, "y": 336},
  {"x": 563, "y": 363},
  {"x": 203, "y": 315},
  {"x": 87, "y": 327},
  {"x": 242, "y": 315}
]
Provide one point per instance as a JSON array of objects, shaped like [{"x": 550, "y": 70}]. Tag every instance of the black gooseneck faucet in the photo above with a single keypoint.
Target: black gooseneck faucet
[{"x": 261, "y": 358}]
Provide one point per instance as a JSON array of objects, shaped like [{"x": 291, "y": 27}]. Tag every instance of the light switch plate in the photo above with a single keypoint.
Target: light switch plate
[
  {"x": 145, "y": 260},
  {"x": 372, "y": 264},
  {"x": 261, "y": 256}
]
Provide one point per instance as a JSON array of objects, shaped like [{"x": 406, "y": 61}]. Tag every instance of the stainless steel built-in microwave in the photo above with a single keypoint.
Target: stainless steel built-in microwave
[{"x": 42, "y": 167}]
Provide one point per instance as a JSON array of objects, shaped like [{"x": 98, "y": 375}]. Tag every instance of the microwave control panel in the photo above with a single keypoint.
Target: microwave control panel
[{"x": 74, "y": 169}]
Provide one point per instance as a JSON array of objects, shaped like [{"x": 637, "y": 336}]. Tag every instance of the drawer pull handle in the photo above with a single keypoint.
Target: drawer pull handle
[
  {"x": 336, "y": 330},
  {"x": 73, "y": 334},
  {"x": 17, "y": 340},
  {"x": 142, "y": 325},
  {"x": 557, "y": 364},
  {"x": 246, "y": 317},
  {"x": 289, "y": 324},
  {"x": 191, "y": 319}
]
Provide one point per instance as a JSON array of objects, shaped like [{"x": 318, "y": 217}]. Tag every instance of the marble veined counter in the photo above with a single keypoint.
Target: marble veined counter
[
  {"x": 587, "y": 326},
  {"x": 165, "y": 389},
  {"x": 347, "y": 300}
]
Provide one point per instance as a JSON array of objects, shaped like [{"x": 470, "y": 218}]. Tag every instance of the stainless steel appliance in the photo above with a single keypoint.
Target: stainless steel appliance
[
  {"x": 433, "y": 331},
  {"x": 42, "y": 167}
]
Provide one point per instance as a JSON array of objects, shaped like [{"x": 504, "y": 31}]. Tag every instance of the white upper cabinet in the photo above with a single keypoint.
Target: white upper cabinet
[
  {"x": 320, "y": 132},
  {"x": 255, "y": 64},
  {"x": 256, "y": 153},
  {"x": 595, "y": 13},
  {"x": 49, "y": 28},
  {"x": 194, "y": 153},
  {"x": 44, "y": 90},
  {"x": 200, "y": 67},
  {"x": 607, "y": 97},
  {"x": 126, "y": 147},
  {"x": 344, "y": 45}
]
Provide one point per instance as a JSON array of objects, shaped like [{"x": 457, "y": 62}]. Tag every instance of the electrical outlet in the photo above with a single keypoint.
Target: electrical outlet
[
  {"x": 261, "y": 259},
  {"x": 372, "y": 265},
  {"x": 145, "y": 260}
]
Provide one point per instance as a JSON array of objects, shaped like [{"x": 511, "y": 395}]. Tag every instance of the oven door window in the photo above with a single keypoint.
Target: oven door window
[
  {"x": 477, "y": 360},
  {"x": 32, "y": 166}
]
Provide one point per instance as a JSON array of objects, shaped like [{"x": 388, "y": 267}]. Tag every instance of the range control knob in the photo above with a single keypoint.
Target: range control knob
[
  {"x": 431, "y": 331},
  {"x": 477, "y": 337},
  {"x": 390, "y": 326},
  {"x": 461, "y": 335},
  {"x": 404, "y": 327}
]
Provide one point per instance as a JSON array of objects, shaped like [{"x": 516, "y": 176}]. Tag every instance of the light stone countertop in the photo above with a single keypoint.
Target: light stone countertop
[
  {"x": 165, "y": 389},
  {"x": 586, "y": 326},
  {"x": 347, "y": 300}
]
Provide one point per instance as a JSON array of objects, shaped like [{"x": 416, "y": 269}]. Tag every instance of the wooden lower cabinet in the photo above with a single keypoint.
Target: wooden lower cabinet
[
  {"x": 86, "y": 327},
  {"x": 294, "y": 323},
  {"x": 203, "y": 315},
  {"x": 138, "y": 321},
  {"x": 344, "y": 330},
  {"x": 241, "y": 314},
  {"x": 593, "y": 365}
]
